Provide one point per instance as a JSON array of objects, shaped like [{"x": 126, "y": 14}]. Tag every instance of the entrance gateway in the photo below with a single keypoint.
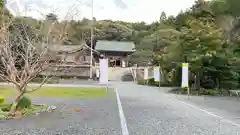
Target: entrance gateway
[{"x": 115, "y": 51}]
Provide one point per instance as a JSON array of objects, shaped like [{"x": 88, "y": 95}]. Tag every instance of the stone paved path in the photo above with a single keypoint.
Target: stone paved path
[{"x": 148, "y": 111}]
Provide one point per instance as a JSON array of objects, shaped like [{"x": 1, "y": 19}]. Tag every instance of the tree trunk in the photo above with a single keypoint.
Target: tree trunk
[
  {"x": 17, "y": 100},
  {"x": 15, "y": 103},
  {"x": 198, "y": 81},
  {"x": 195, "y": 82}
]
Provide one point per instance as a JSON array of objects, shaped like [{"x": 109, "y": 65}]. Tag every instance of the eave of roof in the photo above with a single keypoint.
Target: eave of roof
[{"x": 115, "y": 46}]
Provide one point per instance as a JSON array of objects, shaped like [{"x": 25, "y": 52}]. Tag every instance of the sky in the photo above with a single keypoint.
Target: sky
[{"x": 125, "y": 10}]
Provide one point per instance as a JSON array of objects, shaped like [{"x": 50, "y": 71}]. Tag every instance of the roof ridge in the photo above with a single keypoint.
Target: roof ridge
[{"x": 116, "y": 41}]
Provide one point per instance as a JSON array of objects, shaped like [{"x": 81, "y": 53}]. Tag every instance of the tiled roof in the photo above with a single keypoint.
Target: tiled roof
[
  {"x": 117, "y": 46},
  {"x": 66, "y": 48}
]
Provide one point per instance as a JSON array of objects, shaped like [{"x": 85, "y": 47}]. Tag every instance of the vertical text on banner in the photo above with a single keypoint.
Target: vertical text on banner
[
  {"x": 156, "y": 74},
  {"x": 184, "y": 75},
  {"x": 103, "y": 71},
  {"x": 145, "y": 73}
]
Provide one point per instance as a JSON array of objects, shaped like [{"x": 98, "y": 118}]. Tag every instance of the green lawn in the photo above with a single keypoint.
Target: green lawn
[{"x": 59, "y": 92}]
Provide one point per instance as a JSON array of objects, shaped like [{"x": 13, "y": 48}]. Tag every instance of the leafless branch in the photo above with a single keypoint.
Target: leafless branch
[{"x": 23, "y": 57}]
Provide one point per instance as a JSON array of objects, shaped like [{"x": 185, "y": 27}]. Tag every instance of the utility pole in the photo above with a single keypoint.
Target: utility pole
[{"x": 91, "y": 59}]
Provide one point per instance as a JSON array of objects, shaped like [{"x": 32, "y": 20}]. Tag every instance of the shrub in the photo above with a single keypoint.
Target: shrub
[
  {"x": 2, "y": 100},
  {"x": 141, "y": 82},
  {"x": 166, "y": 84},
  {"x": 209, "y": 92},
  {"x": 151, "y": 82},
  {"x": 25, "y": 102},
  {"x": 208, "y": 84},
  {"x": 179, "y": 90}
]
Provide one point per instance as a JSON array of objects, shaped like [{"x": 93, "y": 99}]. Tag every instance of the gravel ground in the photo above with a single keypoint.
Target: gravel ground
[
  {"x": 97, "y": 116},
  {"x": 150, "y": 112},
  {"x": 227, "y": 107}
]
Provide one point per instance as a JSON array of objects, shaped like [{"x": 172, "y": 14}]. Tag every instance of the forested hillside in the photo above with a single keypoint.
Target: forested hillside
[{"x": 206, "y": 36}]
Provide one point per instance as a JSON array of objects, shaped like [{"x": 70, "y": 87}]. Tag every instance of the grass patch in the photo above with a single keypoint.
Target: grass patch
[
  {"x": 195, "y": 92},
  {"x": 7, "y": 92},
  {"x": 33, "y": 109},
  {"x": 70, "y": 92},
  {"x": 59, "y": 92},
  {"x": 5, "y": 107}
]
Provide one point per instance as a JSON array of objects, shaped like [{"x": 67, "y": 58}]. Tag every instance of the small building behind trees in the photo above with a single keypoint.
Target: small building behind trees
[{"x": 76, "y": 61}]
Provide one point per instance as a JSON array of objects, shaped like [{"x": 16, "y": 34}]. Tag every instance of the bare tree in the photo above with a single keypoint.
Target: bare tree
[{"x": 23, "y": 55}]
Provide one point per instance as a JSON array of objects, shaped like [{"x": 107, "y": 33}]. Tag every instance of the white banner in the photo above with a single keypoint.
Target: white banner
[
  {"x": 184, "y": 75},
  {"x": 103, "y": 71},
  {"x": 157, "y": 74},
  {"x": 97, "y": 73},
  {"x": 145, "y": 74}
]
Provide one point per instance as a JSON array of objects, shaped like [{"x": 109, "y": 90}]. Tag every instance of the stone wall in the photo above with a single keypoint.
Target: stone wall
[
  {"x": 73, "y": 71},
  {"x": 139, "y": 72}
]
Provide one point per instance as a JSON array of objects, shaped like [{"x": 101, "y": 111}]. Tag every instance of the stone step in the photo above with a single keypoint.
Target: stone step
[{"x": 116, "y": 74}]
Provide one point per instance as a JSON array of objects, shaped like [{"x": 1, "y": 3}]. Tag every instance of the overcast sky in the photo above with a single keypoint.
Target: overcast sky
[{"x": 126, "y": 10}]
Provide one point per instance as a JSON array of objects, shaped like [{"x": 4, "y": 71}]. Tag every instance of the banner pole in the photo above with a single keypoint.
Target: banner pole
[
  {"x": 107, "y": 89},
  {"x": 159, "y": 77}
]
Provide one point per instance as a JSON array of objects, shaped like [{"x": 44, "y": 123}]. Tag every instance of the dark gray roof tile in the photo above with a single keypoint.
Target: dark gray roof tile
[{"x": 118, "y": 46}]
